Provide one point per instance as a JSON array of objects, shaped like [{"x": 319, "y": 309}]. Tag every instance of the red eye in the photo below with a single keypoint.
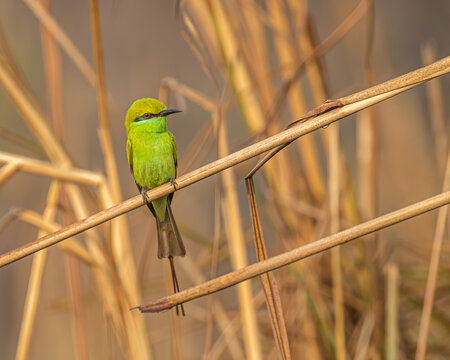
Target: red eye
[{"x": 147, "y": 116}]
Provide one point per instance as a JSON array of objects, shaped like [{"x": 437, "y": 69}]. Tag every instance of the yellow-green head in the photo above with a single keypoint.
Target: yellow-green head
[{"x": 149, "y": 114}]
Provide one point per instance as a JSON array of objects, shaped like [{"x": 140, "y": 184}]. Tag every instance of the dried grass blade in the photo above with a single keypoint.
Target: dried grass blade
[
  {"x": 8, "y": 170},
  {"x": 238, "y": 253},
  {"x": 392, "y": 311},
  {"x": 430, "y": 289},
  {"x": 35, "y": 280},
  {"x": 45, "y": 168},
  {"x": 47, "y": 226},
  {"x": 272, "y": 294},
  {"x": 336, "y": 268},
  {"x": 63, "y": 40}
]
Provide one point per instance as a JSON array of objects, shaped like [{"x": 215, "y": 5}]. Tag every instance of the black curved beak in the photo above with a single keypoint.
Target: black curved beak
[{"x": 168, "y": 112}]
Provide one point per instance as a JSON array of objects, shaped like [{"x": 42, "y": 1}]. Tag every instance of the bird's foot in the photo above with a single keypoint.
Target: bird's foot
[
  {"x": 173, "y": 182},
  {"x": 144, "y": 196}
]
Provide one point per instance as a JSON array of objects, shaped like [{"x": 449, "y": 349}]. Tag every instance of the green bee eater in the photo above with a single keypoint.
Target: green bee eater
[{"x": 152, "y": 156}]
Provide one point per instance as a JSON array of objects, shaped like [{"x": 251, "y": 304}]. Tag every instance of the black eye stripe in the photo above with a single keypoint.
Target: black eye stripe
[{"x": 146, "y": 116}]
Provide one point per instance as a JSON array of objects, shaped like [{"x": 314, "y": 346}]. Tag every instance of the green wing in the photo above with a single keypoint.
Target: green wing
[
  {"x": 174, "y": 147},
  {"x": 130, "y": 154}
]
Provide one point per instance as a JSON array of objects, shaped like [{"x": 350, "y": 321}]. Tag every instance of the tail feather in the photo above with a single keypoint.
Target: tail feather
[
  {"x": 170, "y": 244},
  {"x": 169, "y": 238}
]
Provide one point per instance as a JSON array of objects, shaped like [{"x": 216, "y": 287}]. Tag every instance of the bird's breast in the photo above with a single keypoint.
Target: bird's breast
[{"x": 153, "y": 162}]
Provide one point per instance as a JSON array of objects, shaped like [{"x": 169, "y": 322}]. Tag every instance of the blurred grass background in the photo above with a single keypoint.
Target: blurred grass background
[{"x": 237, "y": 54}]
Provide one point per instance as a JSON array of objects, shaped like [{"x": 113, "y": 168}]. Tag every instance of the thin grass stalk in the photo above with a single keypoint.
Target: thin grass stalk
[
  {"x": 430, "y": 289},
  {"x": 213, "y": 273},
  {"x": 348, "y": 105},
  {"x": 34, "y": 117},
  {"x": 286, "y": 55},
  {"x": 72, "y": 246},
  {"x": 63, "y": 40},
  {"x": 52, "y": 65},
  {"x": 238, "y": 254},
  {"x": 78, "y": 313},
  {"x": 392, "y": 290},
  {"x": 336, "y": 268},
  {"x": 8, "y": 171},
  {"x": 332, "y": 39},
  {"x": 175, "y": 327},
  {"x": 35, "y": 280},
  {"x": 435, "y": 102},
  {"x": 367, "y": 176},
  {"x": 299, "y": 253},
  {"x": 221, "y": 317},
  {"x": 45, "y": 168},
  {"x": 363, "y": 348},
  {"x": 7, "y": 58},
  {"x": 268, "y": 281}
]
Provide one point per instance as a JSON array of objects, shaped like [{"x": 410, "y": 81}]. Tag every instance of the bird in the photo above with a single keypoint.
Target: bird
[{"x": 152, "y": 157}]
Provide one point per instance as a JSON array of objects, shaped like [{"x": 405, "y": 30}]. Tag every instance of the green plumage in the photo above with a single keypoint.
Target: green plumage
[{"x": 152, "y": 156}]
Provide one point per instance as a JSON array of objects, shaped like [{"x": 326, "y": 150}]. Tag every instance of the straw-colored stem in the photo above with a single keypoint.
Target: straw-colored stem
[
  {"x": 63, "y": 40},
  {"x": 213, "y": 273},
  {"x": 299, "y": 253},
  {"x": 430, "y": 289},
  {"x": 336, "y": 269},
  {"x": 8, "y": 170},
  {"x": 391, "y": 311},
  {"x": 46, "y": 226},
  {"x": 44, "y": 168},
  {"x": 435, "y": 101},
  {"x": 238, "y": 254},
  {"x": 35, "y": 281},
  {"x": 286, "y": 54}
]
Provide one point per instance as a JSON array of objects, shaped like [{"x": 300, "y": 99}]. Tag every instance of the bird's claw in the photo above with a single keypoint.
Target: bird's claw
[
  {"x": 144, "y": 196},
  {"x": 173, "y": 182}
]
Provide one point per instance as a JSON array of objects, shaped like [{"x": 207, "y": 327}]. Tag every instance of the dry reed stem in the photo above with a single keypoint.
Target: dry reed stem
[
  {"x": 271, "y": 292},
  {"x": 52, "y": 65},
  {"x": 366, "y": 333},
  {"x": 392, "y": 290},
  {"x": 436, "y": 108},
  {"x": 430, "y": 289},
  {"x": 35, "y": 280},
  {"x": 207, "y": 103},
  {"x": 62, "y": 39},
  {"x": 8, "y": 170},
  {"x": 332, "y": 39},
  {"x": 354, "y": 103},
  {"x": 336, "y": 268},
  {"x": 221, "y": 317},
  {"x": 299, "y": 253},
  {"x": 34, "y": 117},
  {"x": 213, "y": 273},
  {"x": 286, "y": 54},
  {"x": 44, "y": 168},
  {"x": 72, "y": 246},
  {"x": 175, "y": 328},
  {"x": 238, "y": 253}
]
